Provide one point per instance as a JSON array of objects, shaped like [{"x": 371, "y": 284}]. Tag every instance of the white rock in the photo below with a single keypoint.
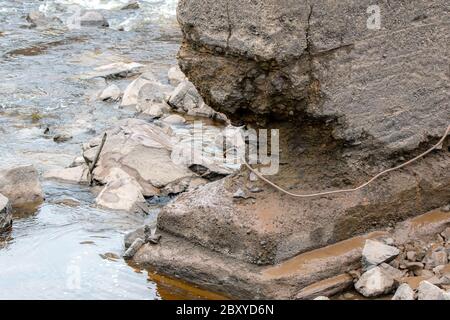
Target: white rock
[
  {"x": 93, "y": 19},
  {"x": 322, "y": 298},
  {"x": 176, "y": 76},
  {"x": 375, "y": 253},
  {"x": 428, "y": 291},
  {"x": 21, "y": 186},
  {"x": 156, "y": 110},
  {"x": 375, "y": 282},
  {"x": 112, "y": 92},
  {"x": 5, "y": 213},
  {"x": 74, "y": 174},
  {"x": 404, "y": 292},
  {"x": 174, "y": 119},
  {"x": 122, "y": 193},
  {"x": 143, "y": 91}
]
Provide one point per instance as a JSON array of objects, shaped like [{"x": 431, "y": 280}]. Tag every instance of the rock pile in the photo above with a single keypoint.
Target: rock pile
[{"x": 417, "y": 270}]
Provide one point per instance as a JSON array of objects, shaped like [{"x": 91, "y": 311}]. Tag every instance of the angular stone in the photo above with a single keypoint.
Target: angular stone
[
  {"x": 74, "y": 175},
  {"x": 111, "y": 92},
  {"x": 404, "y": 292},
  {"x": 375, "y": 282},
  {"x": 376, "y": 253},
  {"x": 428, "y": 291},
  {"x": 122, "y": 193},
  {"x": 135, "y": 246}
]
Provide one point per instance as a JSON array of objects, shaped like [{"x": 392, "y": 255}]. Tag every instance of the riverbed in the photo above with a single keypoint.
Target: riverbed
[{"x": 67, "y": 248}]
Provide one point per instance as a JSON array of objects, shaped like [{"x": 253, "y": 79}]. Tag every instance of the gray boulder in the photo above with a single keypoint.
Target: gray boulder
[{"x": 5, "y": 213}]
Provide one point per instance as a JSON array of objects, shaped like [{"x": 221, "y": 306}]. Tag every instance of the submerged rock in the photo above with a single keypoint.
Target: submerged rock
[
  {"x": 21, "y": 186},
  {"x": 5, "y": 213}
]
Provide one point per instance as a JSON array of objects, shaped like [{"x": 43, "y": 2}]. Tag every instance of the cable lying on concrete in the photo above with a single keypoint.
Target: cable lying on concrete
[{"x": 327, "y": 193}]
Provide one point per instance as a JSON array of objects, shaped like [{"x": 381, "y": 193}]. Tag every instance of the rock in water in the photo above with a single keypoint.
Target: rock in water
[
  {"x": 21, "y": 186},
  {"x": 428, "y": 291},
  {"x": 135, "y": 246},
  {"x": 376, "y": 253},
  {"x": 374, "y": 283},
  {"x": 112, "y": 92},
  {"x": 5, "y": 213},
  {"x": 93, "y": 19},
  {"x": 404, "y": 292},
  {"x": 122, "y": 192}
]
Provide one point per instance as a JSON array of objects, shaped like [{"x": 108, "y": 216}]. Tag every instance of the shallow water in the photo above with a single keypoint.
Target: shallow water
[{"x": 68, "y": 249}]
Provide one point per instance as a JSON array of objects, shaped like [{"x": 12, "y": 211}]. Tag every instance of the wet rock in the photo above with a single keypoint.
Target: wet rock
[
  {"x": 132, "y": 236},
  {"x": 404, "y": 292},
  {"x": 122, "y": 192},
  {"x": 376, "y": 253},
  {"x": 93, "y": 19},
  {"x": 21, "y": 186},
  {"x": 5, "y": 213},
  {"x": 74, "y": 174},
  {"x": 375, "y": 282},
  {"x": 135, "y": 246},
  {"x": 428, "y": 291},
  {"x": 68, "y": 202},
  {"x": 112, "y": 92},
  {"x": 109, "y": 256},
  {"x": 446, "y": 208},
  {"x": 62, "y": 137}
]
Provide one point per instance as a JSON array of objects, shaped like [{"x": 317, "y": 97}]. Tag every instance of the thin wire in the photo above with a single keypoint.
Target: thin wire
[{"x": 326, "y": 193}]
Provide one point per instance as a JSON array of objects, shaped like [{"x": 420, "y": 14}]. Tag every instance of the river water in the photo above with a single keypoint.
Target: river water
[{"x": 65, "y": 251}]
